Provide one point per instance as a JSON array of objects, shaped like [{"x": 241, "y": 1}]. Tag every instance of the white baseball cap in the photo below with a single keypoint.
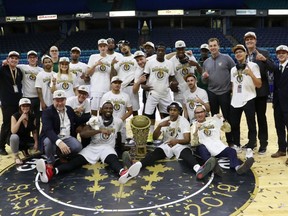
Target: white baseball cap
[
  {"x": 149, "y": 43},
  {"x": 13, "y": 53},
  {"x": 138, "y": 54},
  {"x": 83, "y": 88},
  {"x": 31, "y": 52},
  {"x": 59, "y": 94},
  {"x": 64, "y": 59},
  {"x": 76, "y": 48},
  {"x": 282, "y": 47},
  {"x": 204, "y": 46},
  {"x": 44, "y": 57},
  {"x": 116, "y": 78},
  {"x": 250, "y": 34},
  {"x": 24, "y": 101},
  {"x": 239, "y": 46},
  {"x": 180, "y": 44},
  {"x": 102, "y": 41}
]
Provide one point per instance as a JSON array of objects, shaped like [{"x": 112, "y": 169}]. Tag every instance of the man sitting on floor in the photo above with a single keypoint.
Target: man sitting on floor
[{"x": 103, "y": 132}]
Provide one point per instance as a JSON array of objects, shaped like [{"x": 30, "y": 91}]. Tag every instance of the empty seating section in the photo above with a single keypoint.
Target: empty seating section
[
  {"x": 266, "y": 4},
  {"x": 269, "y": 38}
]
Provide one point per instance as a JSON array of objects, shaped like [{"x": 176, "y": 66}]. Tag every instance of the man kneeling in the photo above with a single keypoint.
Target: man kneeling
[{"x": 103, "y": 132}]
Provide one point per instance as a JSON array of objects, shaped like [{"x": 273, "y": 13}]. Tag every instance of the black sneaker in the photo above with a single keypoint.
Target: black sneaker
[
  {"x": 249, "y": 145},
  {"x": 206, "y": 168},
  {"x": 127, "y": 161},
  {"x": 218, "y": 170},
  {"x": 262, "y": 151},
  {"x": 244, "y": 167}
]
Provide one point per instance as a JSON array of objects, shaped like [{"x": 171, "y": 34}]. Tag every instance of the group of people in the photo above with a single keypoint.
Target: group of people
[{"x": 93, "y": 101}]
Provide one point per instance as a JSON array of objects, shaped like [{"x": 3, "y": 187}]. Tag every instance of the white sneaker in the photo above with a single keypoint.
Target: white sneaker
[
  {"x": 237, "y": 148},
  {"x": 249, "y": 153},
  {"x": 133, "y": 171}
]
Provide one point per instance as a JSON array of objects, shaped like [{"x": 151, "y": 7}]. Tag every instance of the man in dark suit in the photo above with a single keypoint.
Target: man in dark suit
[
  {"x": 58, "y": 129},
  {"x": 262, "y": 58},
  {"x": 280, "y": 100},
  {"x": 10, "y": 94}
]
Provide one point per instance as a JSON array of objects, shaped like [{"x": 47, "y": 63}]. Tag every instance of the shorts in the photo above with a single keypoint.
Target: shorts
[
  {"x": 154, "y": 101},
  {"x": 134, "y": 98},
  {"x": 96, "y": 99},
  {"x": 175, "y": 150}
]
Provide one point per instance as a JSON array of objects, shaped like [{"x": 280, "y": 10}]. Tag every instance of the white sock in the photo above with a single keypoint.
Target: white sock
[
  {"x": 121, "y": 171},
  {"x": 196, "y": 167},
  {"x": 237, "y": 167},
  {"x": 151, "y": 130},
  {"x": 56, "y": 171}
]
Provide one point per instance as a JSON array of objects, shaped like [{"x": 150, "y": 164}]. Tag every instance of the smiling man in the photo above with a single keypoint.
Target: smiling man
[{"x": 10, "y": 94}]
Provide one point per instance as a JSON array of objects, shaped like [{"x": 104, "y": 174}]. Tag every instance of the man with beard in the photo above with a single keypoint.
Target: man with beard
[
  {"x": 78, "y": 68},
  {"x": 103, "y": 132},
  {"x": 111, "y": 50},
  {"x": 10, "y": 94},
  {"x": 176, "y": 139},
  {"x": 194, "y": 96},
  {"x": 125, "y": 69},
  {"x": 183, "y": 65},
  {"x": 42, "y": 82},
  {"x": 204, "y": 54}
]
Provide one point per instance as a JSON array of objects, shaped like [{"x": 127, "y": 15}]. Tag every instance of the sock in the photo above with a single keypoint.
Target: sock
[
  {"x": 237, "y": 167},
  {"x": 151, "y": 130},
  {"x": 196, "y": 167},
  {"x": 55, "y": 171},
  {"x": 121, "y": 171}
]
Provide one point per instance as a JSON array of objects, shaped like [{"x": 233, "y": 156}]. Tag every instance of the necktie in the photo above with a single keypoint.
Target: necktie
[{"x": 281, "y": 68}]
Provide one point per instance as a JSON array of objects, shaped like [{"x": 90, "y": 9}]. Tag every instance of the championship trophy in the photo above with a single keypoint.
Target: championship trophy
[{"x": 140, "y": 128}]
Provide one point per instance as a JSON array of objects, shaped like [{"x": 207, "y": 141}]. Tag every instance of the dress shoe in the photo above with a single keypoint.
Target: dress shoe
[
  {"x": 3, "y": 152},
  {"x": 278, "y": 154}
]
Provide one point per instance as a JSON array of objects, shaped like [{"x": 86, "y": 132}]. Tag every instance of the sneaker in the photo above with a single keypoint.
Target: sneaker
[
  {"x": 237, "y": 148},
  {"x": 262, "y": 151},
  {"x": 206, "y": 168},
  {"x": 45, "y": 171},
  {"x": 150, "y": 138},
  {"x": 249, "y": 153},
  {"x": 133, "y": 171},
  {"x": 218, "y": 170},
  {"x": 244, "y": 167},
  {"x": 127, "y": 161}
]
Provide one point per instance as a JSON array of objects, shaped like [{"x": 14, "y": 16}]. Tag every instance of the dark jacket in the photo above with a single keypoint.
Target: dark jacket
[
  {"x": 51, "y": 124},
  {"x": 280, "y": 94},
  {"x": 264, "y": 68},
  {"x": 8, "y": 96}
]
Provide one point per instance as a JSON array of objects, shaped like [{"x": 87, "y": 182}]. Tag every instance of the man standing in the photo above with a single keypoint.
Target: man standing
[
  {"x": 78, "y": 68},
  {"x": 183, "y": 65},
  {"x": 125, "y": 69},
  {"x": 30, "y": 73},
  {"x": 10, "y": 94},
  {"x": 43, "y": 81},
  {"x": 217, "y": 75},
  {"x": 111, "y": 50},
  {"x": 100, "y": 72},
  {"x": 54, "y": 53},
  {"x": 161, "y": 73},
  {"x": 204, "y": 54},
  {"x": 262, "y": 59},
  {"x": 245, "y": 77},
  {"x": 280, "y": 100},
  {"x": 58, "y": 130},
  {"x": 194, "y": 96}
]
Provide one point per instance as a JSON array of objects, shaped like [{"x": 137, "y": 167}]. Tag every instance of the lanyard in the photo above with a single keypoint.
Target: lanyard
[
  {"x": 14, "y": 75},
  {"x": 62, "y": 118}
]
